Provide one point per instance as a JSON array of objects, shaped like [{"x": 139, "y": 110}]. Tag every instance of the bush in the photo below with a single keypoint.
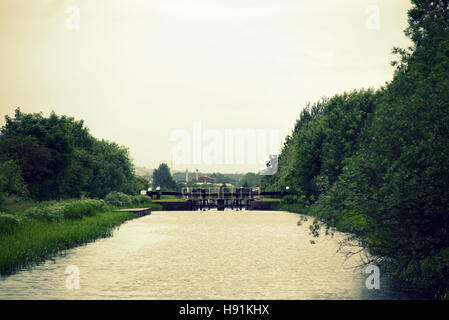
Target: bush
[
  {"x": 143, "y": 199},
  {"x": 118, "y": 199},
  {"x": 290, "y": 199},
  {"x": 8, "y": 223},
  {"x": 43, "y": 214},
  {"x": 72, "y": 209},
  {"x": 294, "y": 199},
  {"x": 80, "y": 208}
]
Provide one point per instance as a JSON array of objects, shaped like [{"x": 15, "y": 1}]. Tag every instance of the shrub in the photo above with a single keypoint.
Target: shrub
[
  {"x": 134, "y": 200},
  {"x": 43, "y": 214},
  {"x": 71, "y": 209},
  {"x": 289, "y": 199},
  {"x": 143, "y": 199},
  {"x": 118, "y": 199}
]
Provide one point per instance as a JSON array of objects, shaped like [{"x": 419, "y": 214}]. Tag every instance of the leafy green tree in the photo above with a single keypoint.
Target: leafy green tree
[
  {"x": 250, "y": 179},
  {"x": 43, "y": 147},
  {"x": 11, "y": 182},
  {"x": 142, "y": 183},
  {"x": 163, "y": 178},
  {"x": 112, "y": 170},
  {"x": 76, "y": 180},
  {"x": 58, "y": 157},
  {"x": 399, "y": 180},
  {"x": 377, "y": 163},
  {"x": 325, "y": 134},
  {"x": 35, "y": 161}
]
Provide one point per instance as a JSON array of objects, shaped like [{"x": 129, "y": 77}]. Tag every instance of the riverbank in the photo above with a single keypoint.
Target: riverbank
[
  {"x": 189, "y": 255},
  {"x": 400, "y": 273},
  {"x": 36, "y": 234}
]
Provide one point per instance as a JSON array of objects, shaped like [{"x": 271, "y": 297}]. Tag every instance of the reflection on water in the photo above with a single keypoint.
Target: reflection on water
[{"x": 202, "y": 255}]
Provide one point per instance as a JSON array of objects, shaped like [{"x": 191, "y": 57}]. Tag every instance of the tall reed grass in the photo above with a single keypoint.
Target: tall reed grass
[
  {"x": 35, "y": 240},
  {"x": 37, "y": 233}
]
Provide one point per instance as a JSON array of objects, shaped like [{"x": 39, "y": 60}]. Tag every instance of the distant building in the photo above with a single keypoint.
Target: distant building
[{"x": 204, "y": 179}]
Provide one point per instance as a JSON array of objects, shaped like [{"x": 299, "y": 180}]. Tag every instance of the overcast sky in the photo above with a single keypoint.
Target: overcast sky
[{"x": 138, "y": 70}]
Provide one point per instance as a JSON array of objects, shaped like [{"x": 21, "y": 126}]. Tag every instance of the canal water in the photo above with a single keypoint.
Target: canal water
[{"x": 202, "y": 255}]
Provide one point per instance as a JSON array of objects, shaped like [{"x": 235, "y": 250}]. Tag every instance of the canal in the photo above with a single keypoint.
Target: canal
[{"x": 203, "y": 255}]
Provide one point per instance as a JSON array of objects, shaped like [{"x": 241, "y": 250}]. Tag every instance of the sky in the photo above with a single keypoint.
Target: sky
[{"x": 169, "y": 79}]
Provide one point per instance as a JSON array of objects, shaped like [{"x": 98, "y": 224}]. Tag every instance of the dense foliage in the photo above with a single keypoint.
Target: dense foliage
[
  {"x": 52, "y": 211},
  {"x": 142, "y": 184},
  {"x": 120, "y": 199},
  {"x": 377, "y": 163},
  {"x": 230, "y": 178},
  {"x": 162, "y": 178},
  {"x": 56, "y": 157},
  {"x": 11, "y": 181},
  {"x": 250, "y": 180}
]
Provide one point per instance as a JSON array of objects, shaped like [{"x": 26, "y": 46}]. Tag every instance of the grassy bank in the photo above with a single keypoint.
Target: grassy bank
[
  {"x": 35, "y": 241},
  {"x": 269, "y": 199},
  {"x": 347, "y": 222},
  {"x": 32, "y": 235},
  {"x": 294, "y": 207}
]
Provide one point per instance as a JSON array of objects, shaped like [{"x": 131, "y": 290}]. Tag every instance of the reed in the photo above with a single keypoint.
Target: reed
[
  {"x": 31, "y": 236},
  {"x": 33, "y": 241}
]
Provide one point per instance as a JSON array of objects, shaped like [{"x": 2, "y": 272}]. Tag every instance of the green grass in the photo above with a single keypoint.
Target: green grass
[
  {"x": 349, "y": 222},
  {"x": 169, "y": 197},
  {"x": 295, "y": 207},
  {"x": 34, "y": 241},
  {"x": 270, "y": 199},
  {"x": 69, "y": 209},
  {"x": 153, "y": 205},
  {"x": 30, "y": 232}
]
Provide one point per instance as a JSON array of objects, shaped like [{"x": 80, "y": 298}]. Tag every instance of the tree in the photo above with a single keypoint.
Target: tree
[
  {"x": 378, "y": 162},
  {"x": 162, "y": 178},
  {"x": 11, "y": 182},
  {"x": 35, "y": 162},
  {"x": 250, "y": 180},
  {"x": 58, "y": 157},
  {"x": 142, "y": 183},
  {"x": 112, "y": 170}
]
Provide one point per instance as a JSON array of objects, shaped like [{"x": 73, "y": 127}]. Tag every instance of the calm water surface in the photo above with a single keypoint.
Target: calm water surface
[{"x": 202, "y": 255}]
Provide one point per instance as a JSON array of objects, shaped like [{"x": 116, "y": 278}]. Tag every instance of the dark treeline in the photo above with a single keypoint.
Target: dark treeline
[
  {"x": 376, "y": 163},
  {"x": 56, "y": 158},
  {"x": 248, "y": 179}
]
